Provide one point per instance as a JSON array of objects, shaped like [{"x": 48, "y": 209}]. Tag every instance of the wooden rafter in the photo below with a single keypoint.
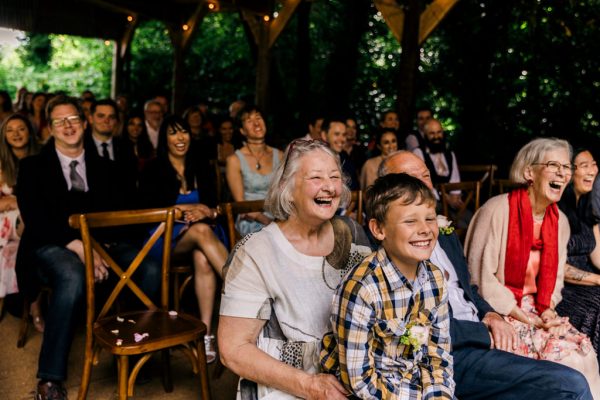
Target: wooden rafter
[
  {"x": 393, "y": 13},
  {"x": 279, "y": 23}
]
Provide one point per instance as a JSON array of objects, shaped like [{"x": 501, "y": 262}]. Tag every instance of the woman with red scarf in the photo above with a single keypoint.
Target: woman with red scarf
[{"x": 516, "y": 248}]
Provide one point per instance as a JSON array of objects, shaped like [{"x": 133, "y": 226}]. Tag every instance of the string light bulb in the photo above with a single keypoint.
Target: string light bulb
[
  {"x": 211, "y": 6},
  {"x": 266, "y": 18},
  {"x": 185, "y": 27},
  {"x": 107, "y": 42},
  {"x": 130, "y": 18}
]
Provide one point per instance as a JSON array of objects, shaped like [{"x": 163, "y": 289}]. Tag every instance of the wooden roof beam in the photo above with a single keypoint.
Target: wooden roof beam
[{"x": 393, "y": 14}]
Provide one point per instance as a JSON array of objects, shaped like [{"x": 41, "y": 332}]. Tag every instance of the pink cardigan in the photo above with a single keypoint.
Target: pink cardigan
[{"x": 485, "y": 249}]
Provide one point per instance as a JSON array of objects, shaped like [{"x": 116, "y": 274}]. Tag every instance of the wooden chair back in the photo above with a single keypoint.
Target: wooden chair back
[
  {"x": 231, "y": 210},
  {"x": 506, "y": 185},
  {"x": 220, "y": 183},
  {"x": 116, "y": 332},
  {"x": 484, "y": 173},
  {"x": 470, "y": 196}
]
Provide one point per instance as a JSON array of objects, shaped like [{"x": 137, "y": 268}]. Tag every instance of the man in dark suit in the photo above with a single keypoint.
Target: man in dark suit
[
  {"x": 103, "y": 120},
  {"x": 62, "y": 180},
  {"x": 484, "y": 367}
]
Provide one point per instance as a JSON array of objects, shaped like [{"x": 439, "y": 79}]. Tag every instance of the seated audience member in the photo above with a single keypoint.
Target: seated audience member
[
  {"x": 235, "y": 107},
  {"x": 442, "y": 164},
  {"x": 387, "y": 144},
  {"x": 17, "y": 141},
  {"x": 482, "y": 341},
  {"x": 249, "y": 170},
  {"x": 6, "y": 106},
  {"x": 135, "y": 137},
  {"x": 204, "y": 144},
  {"x": 62, "y": 180},
  {"x": 389, "y": 119},
  {"x": 581, "y": 294},
  {"x": 279, "y": 282},
  {"x": 416, "y": 139},
  {"x": 153, "y": 116},
  {"x": 390, "y": 316},
  {"x": 175, "y": 178},
  {"x": 225, "y": 146},
  {"x": 37, "y": 117},
  {"x": 516, "y": 246},
  {"x": 353, "y": 147},
  {"x": 314, "y": 127},
  {"x": 333, "y": 132}
]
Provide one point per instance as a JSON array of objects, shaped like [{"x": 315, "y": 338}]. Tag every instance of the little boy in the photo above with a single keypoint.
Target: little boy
[{"x": 391, "y": 327}]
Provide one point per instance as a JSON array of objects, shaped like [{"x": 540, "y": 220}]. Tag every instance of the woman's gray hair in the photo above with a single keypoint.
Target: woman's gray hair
[
  {"x": 532, "y": 153},
  {"x": 279, "y": 201}
]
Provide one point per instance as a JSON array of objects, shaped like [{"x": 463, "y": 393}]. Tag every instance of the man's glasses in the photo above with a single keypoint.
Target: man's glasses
[
  {"x": 62, "y": 122},
  {"x": 555, "y": 166}
]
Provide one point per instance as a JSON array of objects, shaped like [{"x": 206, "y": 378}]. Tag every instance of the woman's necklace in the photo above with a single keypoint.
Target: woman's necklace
[{"x": 257, "y": 158}]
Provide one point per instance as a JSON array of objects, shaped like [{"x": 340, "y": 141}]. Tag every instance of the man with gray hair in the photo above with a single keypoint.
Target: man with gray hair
[
  {"x": 482, "y": 341},
  {"x": 153, "y": 114}
]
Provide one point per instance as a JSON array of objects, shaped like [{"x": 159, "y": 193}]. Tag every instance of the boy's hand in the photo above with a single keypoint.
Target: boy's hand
[
  {"x": 504, "y": 337},
  {"x": 324, "y": 386}
]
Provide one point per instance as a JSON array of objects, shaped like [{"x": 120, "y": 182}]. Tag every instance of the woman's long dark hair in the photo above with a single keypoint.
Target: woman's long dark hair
[
  {"x": 162, "y": 149},
  {"x": 580, "y": 212},
  {"x": 9, "y": 163}
]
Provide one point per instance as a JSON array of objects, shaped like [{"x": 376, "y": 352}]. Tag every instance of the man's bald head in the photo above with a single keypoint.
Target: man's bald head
[{"x": 406, "y": 162}]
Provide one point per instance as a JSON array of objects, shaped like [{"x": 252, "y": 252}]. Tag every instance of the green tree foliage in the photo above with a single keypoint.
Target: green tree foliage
[{"x": 66, "y": 63}]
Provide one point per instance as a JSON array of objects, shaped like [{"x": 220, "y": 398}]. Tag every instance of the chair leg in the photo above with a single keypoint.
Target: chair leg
[
  {"x": 203, "y": 369},
  {"x": 24, "y": 325},
  {"x": 176, "y": 291},
  {"x": 166, "y": 367},
  {"x": 87, "y": 368},
  {"x": 123, "y": 376}
]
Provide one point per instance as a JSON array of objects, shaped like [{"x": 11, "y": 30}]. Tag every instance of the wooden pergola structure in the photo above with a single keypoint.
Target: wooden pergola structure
[{"x": 117, "y": 20}]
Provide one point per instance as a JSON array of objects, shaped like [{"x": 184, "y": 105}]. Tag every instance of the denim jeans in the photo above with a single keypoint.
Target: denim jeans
[{"x": 64, "y": 273}]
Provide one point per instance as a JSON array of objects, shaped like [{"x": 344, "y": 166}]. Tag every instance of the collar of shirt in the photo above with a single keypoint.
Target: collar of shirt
[
  {"x": 65, "y": 162},
  {"x": 395, "y": 278}
]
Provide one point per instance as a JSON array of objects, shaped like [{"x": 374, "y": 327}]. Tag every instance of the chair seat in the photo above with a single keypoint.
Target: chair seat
[{"x": 163, "y": 330}]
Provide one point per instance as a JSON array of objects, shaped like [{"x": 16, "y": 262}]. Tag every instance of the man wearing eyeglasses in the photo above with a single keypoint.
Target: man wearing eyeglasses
[{"x": 64, "y": 179}]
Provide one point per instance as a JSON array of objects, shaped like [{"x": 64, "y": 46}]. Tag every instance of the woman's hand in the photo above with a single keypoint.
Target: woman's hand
[
  {"x": 324, "y": 386},
  {"x": 100, "y": 265},
  {"x": 196, "y": 212},
  {"x": 553, "y": 323}
]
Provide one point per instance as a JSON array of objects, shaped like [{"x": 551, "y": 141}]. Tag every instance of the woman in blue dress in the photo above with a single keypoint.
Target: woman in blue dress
[
  {"x": 250, "y": 169},
  {"x": 174, "y": 178}
]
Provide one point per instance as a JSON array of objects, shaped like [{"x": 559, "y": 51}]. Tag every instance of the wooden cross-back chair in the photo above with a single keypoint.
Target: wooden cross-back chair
[
  {"x": 231, "y": 210},
  {"x": 484, "y": 173},
  {"x": 117, "y": 332},
  {"x": 506, "y": 185},
  {"x": 470, "y": 196}
]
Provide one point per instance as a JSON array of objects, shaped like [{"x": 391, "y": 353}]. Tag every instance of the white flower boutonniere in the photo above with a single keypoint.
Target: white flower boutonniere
[
  {"x": 445, "y": 225},
  {"x": 415, "y": 336}
]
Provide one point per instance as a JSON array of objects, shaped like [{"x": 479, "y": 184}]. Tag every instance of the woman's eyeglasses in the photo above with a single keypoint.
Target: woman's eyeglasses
[{"x": 555, "y": 166}]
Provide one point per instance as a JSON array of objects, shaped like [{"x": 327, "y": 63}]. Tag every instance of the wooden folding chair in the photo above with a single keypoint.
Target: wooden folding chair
[
  {"x": 506, "y": 185},
  {"x": 483, "y": 173},
  {"x": 470, "y": 192},
  {"x": 119, "y": 333},
  {"x": 231, "y": 210}
]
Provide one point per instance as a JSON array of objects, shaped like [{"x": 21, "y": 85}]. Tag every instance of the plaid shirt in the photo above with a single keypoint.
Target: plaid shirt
[{"x": 372, "y": 309}]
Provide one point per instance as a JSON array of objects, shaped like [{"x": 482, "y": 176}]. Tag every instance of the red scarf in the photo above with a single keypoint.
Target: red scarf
[{"x": 520, "y": 243}]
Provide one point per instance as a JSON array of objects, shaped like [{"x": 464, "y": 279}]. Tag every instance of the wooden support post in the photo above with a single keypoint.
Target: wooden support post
[
  {"x": 121, "y": 51},
  {"x": 265, "y": 30},
  {"x": 181, "y": 38}
]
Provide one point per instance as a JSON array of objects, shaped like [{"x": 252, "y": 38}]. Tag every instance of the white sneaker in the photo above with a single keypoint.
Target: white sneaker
[{"x": 209, "y": 348}]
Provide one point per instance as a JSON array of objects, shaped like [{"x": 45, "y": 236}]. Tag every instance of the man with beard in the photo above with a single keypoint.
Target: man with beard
[
  {"x": 439, "y": 159},
  {"x": 417, "y": 138}
]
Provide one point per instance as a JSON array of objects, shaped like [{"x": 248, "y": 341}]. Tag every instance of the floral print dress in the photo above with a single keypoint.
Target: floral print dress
[{"x": 9, "y": 243}]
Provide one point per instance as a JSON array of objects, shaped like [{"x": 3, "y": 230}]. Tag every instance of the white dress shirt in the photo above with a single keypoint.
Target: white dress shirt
[
  {"x": 109, "y": 147},
  {"x": 461, "y": 308},
  {"x": 65, "y": 162},
  {"x": 153, "y": 133}
]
